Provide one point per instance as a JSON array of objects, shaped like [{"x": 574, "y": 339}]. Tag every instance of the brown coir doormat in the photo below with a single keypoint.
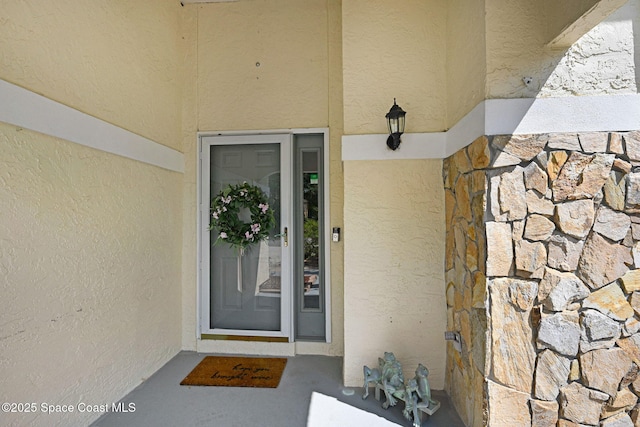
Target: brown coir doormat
[{"x": 237, "y": 372}]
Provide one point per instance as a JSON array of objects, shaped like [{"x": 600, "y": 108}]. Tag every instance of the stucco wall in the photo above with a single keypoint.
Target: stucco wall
[
  {"x": 466, "y": 57},
  {"x": 393, "y": 232},
  {"x": 601, "y": 62},
  {"x": 189, "y": 34},
  {"x": 117, "y": 61},
  {"x": 262, "y": 65},
  {"x": 561, "y": 14},
  {"x": 493, "y": 45},
  {"x": 90, "y": 267},
  {"x": 394, "y": 50},
  {"x": 90, "y": 253},
  {"x": 394, "y": 255},
  {"x": 297, "y": 84}
]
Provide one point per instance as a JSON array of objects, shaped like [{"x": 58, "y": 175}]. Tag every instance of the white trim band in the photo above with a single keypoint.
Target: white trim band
[
  {"x": 505, "y": 117},
  {"x": 26, "y": 109}
]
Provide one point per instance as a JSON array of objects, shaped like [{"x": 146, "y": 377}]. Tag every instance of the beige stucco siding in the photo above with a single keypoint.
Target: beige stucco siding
[
  {"x": 90, "y": 258},
  {"x": 262, "y": 65},
  {"x": 394, "y": 277},
  {"x": 117, "y": 61},
  {"x": 394, "y": 50},
  {"x": 90, "y": 267},
  {"x": 599, "y": 63},
  {"x": 466, "y": 57}
]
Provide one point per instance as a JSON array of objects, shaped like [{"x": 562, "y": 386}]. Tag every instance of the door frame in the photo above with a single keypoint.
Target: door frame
[
  {"x": 203, "y": 218},
  {"x": 284, "y": 141}
]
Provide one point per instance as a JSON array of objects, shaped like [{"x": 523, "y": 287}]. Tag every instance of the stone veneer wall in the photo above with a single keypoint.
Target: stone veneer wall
[
  {"x": 561, "y": 221},
  {"x": 464, "y": 182}
]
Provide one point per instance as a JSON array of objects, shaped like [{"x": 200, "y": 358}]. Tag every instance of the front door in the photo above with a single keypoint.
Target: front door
[
  {"x": 247, "y": 293},
  {"x": 276, "y": 287}
]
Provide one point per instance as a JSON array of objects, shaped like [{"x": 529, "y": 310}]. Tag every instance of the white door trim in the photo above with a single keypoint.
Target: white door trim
[{"x": 204, "y": 142}]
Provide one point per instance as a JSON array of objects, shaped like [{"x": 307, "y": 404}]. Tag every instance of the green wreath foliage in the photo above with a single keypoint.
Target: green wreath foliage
[{"x": 225, "y": 210}]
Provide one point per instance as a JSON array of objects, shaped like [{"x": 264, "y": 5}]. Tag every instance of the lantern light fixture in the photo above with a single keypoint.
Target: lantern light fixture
[{"x": 395, "y": 122}]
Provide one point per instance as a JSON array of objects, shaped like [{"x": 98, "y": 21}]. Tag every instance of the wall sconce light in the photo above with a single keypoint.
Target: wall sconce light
[{"x": 395, "y": 122}]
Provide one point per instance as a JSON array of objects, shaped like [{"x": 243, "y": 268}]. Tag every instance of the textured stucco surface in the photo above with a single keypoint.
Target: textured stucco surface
[
  {"x": 90, "y": 243},
  {"x": 440, "y": 59},
  {"x": 573, "y": 19},
  {"x": 189, "y": 32},
  {"x": 116, "y": 60},
  {"x": 516, "y": 35},
  {"x": 336, "y": 196},
  {"x": 560, "y": 14},
  {"x": 394, "y": 50},
  {"x": 298, "y": 84},
  {"x": 89, "y": 272},
  {"x": 394, "y": 276},
  {"x": 466, "y": 57},
  {"x": 262, "y": 65},
  {"x": 601, "y": 62}
]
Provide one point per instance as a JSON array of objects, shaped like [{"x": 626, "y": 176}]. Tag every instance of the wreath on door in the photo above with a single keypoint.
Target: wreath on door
[
  {"x": 229, "y": 211},
  {"x": 234, "y": 203}
]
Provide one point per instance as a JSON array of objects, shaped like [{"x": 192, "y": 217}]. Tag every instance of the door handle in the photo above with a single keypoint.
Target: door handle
[{"x": 285, "y": 235}]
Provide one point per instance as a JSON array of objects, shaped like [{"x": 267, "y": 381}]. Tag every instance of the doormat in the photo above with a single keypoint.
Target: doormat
[{"x": 237, "y": 372}]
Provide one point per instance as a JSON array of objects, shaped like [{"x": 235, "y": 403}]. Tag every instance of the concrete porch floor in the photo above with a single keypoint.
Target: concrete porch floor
[{"x": 162, "y": 401}]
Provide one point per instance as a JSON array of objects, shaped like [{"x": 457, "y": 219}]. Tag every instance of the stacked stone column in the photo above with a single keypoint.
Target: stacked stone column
[
  {"x": 465, "y": 189},
  {"x": 548, "y": 228}
]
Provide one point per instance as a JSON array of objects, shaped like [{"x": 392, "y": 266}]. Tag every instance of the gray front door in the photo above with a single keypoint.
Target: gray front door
[
  {"x": 278, "y": 288},
  {"x": 258, "y": 303}
]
